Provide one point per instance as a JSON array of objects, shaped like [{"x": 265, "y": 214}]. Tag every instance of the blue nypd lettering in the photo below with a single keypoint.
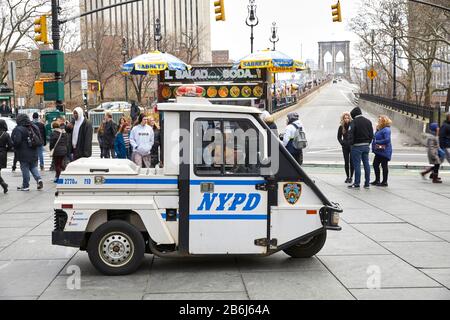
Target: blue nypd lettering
[{"x": 229, "y": 201}]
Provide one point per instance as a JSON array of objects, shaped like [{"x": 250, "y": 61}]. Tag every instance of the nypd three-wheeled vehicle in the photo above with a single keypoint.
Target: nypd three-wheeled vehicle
[{"x": 207, "y": 199}]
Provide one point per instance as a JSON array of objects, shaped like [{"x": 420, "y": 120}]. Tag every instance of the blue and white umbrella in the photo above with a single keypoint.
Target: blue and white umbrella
[{"x": 153, "y": 63}]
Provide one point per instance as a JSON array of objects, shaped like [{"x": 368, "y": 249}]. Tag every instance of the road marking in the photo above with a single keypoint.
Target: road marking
[
  {"x": 345, "y": 97},
  {"x": 321, "y": 151}
]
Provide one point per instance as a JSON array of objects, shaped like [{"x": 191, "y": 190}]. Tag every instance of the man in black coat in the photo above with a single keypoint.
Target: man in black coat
[
  {"x": 4, "y": 109},
  {"x": 134, "y": 112},
  {"x": 27, "y": 154},
  {"x": 109, "y": 135},
  {"x": 80, "y": 131},
  {"x": 360, "y": 135},
  {"x": 41, "y": 127},
  {"x": 444, "y": 137},
  {"x": 6, "y": 145}
]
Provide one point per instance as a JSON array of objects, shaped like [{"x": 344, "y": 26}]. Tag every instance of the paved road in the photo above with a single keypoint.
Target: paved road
[
  {"x": 321, "y": 118},
  {"x": 397, "y": 238}
]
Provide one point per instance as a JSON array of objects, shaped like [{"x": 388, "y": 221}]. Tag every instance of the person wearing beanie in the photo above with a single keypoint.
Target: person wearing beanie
[
  {"x": 23, "y": 136},
  {"x": 293, "y": 124},
  {"x": 41, "y": 128},
  {"x": 433, "y": 153},
  {"x": 360, "y": 135}
]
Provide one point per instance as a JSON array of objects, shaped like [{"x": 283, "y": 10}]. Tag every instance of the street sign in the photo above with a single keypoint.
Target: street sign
[
  {"x": 372, "y": 74},
  {"x": 11, "y": 70},
  {"x": 21, "y": 102},
  {"x": 84, "y": 79}
]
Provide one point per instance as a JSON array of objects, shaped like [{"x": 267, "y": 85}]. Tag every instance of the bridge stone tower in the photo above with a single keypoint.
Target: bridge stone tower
[{"x": 334, "y": 47}]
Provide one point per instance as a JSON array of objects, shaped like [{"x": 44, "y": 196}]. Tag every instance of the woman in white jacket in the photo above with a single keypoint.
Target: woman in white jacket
[{"x": 141, "y": 140}]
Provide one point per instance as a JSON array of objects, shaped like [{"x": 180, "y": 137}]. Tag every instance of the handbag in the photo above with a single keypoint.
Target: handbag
[
  {"x": 54, "y": 147},
  {"x": 380, "y": 147}
]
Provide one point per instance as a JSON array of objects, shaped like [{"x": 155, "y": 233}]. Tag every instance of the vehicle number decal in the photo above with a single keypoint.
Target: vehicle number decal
[{"x": 70, "y": 181}]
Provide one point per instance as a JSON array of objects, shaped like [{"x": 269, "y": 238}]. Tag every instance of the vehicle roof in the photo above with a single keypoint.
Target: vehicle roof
[{"x": 203, "y": 105}]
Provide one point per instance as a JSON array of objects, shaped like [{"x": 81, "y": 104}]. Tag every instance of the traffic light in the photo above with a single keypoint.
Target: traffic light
[
  {"x": 219, "y": 10},
  {"x": 336, "y": 12},
  {"x": 40, "y": 28}
]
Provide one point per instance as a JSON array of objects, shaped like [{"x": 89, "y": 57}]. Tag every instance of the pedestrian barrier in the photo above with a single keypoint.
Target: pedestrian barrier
[
  {"x": 96, "y": 118},
  {"x": 287, "y": 102},
  {"x": 413, "y": 110}
]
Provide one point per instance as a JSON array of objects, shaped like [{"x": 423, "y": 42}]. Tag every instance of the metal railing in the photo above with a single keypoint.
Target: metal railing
[
  {"x": 287, "y": 102},
  {"x": 410, "y": 109},
  {"x": 96, "y": 118}
]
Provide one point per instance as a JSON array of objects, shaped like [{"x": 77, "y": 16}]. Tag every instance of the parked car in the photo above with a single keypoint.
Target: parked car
[
  {"x": 10, "y": 123},
  {"x": 112, "y": 106}
]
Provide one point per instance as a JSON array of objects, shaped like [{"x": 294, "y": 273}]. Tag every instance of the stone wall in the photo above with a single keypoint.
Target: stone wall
[{"x": 408, "y": 125}]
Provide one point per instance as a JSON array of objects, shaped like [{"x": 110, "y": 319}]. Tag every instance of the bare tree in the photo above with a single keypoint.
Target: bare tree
[
  {"x": 419, "y": 32},
  {"x": 16, "y": 23},
  {"x": 103, "y": 59}
]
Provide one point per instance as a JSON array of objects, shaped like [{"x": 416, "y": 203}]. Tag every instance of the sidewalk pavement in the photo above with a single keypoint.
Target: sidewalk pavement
[{"x": 395, "y": 239}]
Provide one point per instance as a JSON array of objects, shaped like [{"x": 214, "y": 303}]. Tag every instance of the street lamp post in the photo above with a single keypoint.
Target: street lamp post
[
  {"x": 274, "y": 39},
  {"x": 125, "y": 54},
  {"x": 157, "y": 37},
  {"x": 274, "y": 35},
  {"x": 252, "y": 21},
  {"x": 157, "y": 32},
  {"x": 394, "y": 23},
  {"x": 373, "y": 43}
]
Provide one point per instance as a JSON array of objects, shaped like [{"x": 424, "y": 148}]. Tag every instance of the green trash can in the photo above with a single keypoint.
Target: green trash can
[{"x": 51, "y": 116}]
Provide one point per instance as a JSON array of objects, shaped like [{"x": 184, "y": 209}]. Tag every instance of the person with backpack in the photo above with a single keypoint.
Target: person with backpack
[
  {"x": 41, "y": 127},
  {"x": 6, "y": 145},
  {"x": 109, "y": 135},
  {"x": 434, "y": 156},
  {"x": 294, "y": 137},
  {"x": 134, "y": 112},
  {"x": 58, "y": 148},
  {"x": 26, "y": 139}
]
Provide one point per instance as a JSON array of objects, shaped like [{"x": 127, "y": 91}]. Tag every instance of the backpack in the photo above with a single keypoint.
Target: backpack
[
  {"x": 34, "y": 137},
  {"x": 299, "y": 141}
]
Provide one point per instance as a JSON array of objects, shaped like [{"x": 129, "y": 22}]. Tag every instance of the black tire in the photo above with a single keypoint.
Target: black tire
[
  {"x": 307, "y": 249},
  {"x": 116, "y": 235}
]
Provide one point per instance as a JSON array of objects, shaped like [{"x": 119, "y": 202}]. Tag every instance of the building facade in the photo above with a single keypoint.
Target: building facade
[{"x": 181, "y": 21}]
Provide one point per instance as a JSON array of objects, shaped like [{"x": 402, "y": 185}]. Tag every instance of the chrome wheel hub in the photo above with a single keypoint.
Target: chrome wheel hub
[{"x": 116, "y": 249}]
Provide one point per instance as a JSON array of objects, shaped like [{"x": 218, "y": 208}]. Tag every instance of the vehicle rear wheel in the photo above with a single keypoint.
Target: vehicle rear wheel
[
  {"x": 307, "y": 248},
  {"x": 116, "y": 248}
]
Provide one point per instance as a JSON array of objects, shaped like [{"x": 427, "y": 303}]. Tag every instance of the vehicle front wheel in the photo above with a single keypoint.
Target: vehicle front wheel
[
  {"x": 116, "y": 248},
  {"x": 307, "y": 248}
]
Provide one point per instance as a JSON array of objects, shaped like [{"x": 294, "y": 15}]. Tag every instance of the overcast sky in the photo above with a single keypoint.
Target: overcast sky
[{"x": 300, "y": 22}]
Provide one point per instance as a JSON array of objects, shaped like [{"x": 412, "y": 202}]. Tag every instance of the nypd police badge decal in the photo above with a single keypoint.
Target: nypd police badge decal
[{"x": 292, "y": 192}]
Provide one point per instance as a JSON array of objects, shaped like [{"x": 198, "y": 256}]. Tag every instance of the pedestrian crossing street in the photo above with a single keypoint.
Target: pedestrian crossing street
[{"x": 47, "y": 158}]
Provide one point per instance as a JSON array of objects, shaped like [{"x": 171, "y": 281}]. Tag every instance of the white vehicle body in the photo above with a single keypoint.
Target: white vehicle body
[
  {"x": 182, "y": 211},
  {"x": 10, "y": 123}
]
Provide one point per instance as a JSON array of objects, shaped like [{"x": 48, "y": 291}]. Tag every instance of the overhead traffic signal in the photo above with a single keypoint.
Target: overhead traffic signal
[
  {"x": 40, "y": 28},
  {"x": 219, "y": 10},
  {"x": 336, "y": 12}
]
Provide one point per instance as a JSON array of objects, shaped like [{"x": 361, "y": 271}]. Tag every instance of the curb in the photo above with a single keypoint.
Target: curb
[{"x": 391, "y": 166}]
